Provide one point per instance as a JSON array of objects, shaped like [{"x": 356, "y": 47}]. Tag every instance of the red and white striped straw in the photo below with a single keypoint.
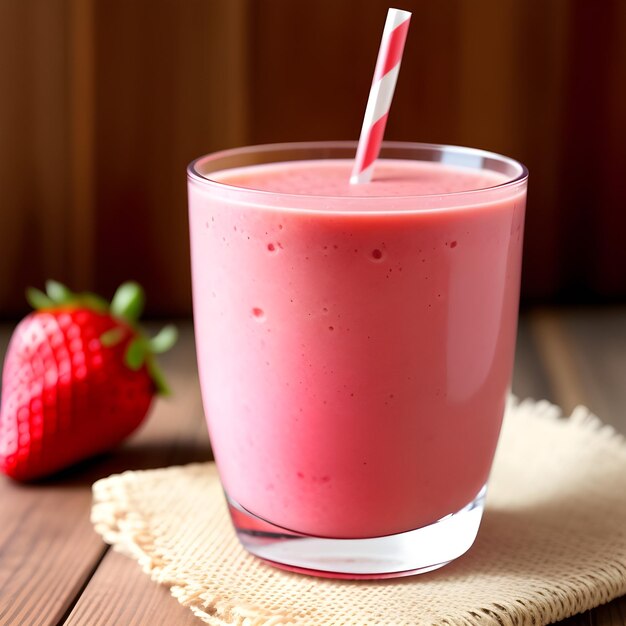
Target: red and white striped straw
[{"x": 381, "y": 94}]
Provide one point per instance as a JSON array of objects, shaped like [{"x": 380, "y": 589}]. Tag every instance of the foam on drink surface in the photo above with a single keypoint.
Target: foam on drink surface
[{"x": 331, "y": 178}]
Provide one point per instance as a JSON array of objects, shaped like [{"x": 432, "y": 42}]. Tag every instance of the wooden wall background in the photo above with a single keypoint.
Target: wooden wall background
[{"x": 104, "y": 102}]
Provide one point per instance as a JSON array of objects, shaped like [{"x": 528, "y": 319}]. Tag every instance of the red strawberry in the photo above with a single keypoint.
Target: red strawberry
[{"x": 79, "y": 376}]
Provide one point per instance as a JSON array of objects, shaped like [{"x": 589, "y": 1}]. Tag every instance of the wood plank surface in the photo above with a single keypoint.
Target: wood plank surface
[
  {"x": 47, "y": 551},
  {"x": 120, "y": 594},
  {"x": 598, "y": 340},
  {"x": 55, "y": 570},
  {"x": 530, "y": 379}
]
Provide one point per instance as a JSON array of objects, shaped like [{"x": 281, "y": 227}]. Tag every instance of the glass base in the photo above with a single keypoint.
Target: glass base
[{"x": 404, "y": 554}]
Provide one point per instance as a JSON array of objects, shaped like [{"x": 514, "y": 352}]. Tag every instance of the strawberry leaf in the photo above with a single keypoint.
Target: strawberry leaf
[
  {"x": 128, "y": 302},
  {"x": 136, "y": 353},
  {"x": 157, "y": 377},
  {"x": 111, "y": 337},
  {"x": 58, "y": 292},
  {"x": 164, "y": 340},
  {"x": 38, "y": 299},
  {"x": 94, "y": 302}
]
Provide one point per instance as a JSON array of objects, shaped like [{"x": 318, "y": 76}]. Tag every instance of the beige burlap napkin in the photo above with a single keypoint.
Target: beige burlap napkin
[{"x": 552, "y": 542}]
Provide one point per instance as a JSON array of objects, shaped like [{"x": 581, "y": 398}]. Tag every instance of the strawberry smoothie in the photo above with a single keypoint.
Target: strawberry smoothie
[{"x": 355, "y": 343}]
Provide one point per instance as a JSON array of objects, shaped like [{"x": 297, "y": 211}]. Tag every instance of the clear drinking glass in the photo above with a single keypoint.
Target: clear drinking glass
[{"x": 355, "y": 356}]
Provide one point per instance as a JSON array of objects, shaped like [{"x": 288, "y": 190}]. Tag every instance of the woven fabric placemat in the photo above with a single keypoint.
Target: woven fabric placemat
[{"x": 552, "y": 542}]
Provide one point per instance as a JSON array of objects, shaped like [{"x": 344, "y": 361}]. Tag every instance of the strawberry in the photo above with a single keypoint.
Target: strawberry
[{"x": 79, "y": 376}]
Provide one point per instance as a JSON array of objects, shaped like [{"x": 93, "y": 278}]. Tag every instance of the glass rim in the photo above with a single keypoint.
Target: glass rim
[{"x": 264, "y": 196}]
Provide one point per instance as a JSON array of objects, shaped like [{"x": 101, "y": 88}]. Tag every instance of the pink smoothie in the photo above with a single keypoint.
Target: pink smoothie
[{"x": 355, "y": 352}]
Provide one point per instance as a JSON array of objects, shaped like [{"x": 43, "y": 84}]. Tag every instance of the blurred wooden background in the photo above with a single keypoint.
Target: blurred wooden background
[{"x": 104, "y": 102}]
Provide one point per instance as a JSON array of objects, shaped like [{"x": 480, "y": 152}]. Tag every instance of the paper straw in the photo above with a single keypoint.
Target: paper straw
[{"x": 381, "y": 94}]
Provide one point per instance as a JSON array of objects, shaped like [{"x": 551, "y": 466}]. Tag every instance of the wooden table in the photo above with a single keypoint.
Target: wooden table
[{"x": 55, "y": 570}]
